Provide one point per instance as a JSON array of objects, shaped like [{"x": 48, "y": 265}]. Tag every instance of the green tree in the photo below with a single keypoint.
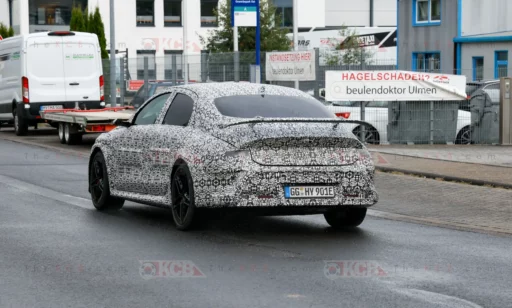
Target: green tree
[
  {"x": 77, "y": 22},
  {"x": 349, "y": 51},
  {"x": 5, "y": 31},
  {"x": 272, "y": 37},
  {"x": 99, "y": 29},
  {"x": 86, "y": 19}
]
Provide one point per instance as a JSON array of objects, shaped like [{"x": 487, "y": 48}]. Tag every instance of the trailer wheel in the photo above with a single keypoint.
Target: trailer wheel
[
  {"x": 62, "y": 136},
  {"x": 72, "y": 137}
]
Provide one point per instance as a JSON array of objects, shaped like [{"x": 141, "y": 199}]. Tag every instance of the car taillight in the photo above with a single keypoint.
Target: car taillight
[
  {"x": 102, "y": 89},
  {"x": 345, "y": 115},
  {"x": 24, "y": 85}
]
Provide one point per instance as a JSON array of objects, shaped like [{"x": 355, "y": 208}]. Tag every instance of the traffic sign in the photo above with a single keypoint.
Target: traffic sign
[{"x": 244, "y": 13}]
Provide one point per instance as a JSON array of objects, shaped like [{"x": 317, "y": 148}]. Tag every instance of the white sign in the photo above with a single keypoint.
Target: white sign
[
  {"x": 393, "y": 86},
  {"x": 290, "y": 66},
  {"x": 245, "y": 18}
]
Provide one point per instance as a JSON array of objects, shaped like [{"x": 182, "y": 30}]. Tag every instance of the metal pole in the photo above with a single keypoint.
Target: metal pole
[
  {"x": 113, "y": 88},
  {"x": 10, "y": 13},
  {"x": 121, "y": 80},
  {"x": 237, "y": 58},
  {"x": 146, "y": 78},
  {"x": 371, "y": 13},
  {"x": 258, "y": 36},
  {"x": 185, "y": 40},
  {"x": 431, "y": 141},
  {"x": 296, "y": 31}
]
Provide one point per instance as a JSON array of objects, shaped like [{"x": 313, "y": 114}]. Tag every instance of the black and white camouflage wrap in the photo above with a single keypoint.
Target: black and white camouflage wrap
[{"x": 238, "y": 166}]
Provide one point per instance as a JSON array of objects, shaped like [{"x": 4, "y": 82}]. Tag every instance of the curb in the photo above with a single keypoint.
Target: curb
[
  {"x": 438, "y": 223},
  {"x": 445, "y": 177},
  {"x": 435, "y": 159}
]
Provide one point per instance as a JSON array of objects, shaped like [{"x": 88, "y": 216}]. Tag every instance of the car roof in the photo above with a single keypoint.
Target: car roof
[{"x": 212, "y": 90}]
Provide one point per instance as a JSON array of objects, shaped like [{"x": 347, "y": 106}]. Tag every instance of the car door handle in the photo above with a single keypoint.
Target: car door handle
[{"x": 74, "y": 84}]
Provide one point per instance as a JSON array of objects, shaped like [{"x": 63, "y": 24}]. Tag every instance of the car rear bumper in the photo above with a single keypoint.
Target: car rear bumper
[{"x": 264, "y": 188}]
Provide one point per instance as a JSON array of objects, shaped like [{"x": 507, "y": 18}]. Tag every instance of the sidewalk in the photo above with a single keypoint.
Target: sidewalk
[{"x": 479, "y": 165}]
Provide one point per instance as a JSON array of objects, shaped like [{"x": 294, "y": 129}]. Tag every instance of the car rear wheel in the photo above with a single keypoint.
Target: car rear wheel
[
  {"x": 20, "y": 125},
  {"x": 62, "y": 136},
  {"x": 71, "y": 136},
  {"x": 464, "y": 136},
  {"x": 346, "y": 218},
  {"x": 370, "y": 136},
  {"x": 99, "y": 186},
  {"x": 184, "y": 211}
]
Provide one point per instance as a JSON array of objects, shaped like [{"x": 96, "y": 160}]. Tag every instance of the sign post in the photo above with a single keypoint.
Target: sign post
[{"x": 246, "y": 13}]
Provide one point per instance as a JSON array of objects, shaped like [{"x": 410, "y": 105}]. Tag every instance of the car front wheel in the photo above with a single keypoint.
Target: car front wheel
[
  {"x": 346, "y": 218},
  {"x": 99, "y": 186}
]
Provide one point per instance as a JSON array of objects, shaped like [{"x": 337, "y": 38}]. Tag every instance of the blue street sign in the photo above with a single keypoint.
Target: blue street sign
[{"x": 243, "y": 13}]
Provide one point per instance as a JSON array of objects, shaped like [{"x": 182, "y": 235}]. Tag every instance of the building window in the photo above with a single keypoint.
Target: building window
[
  {"x": 285, "y": 9},
  {"x": 208, "y": 18},
  {"x": 500, "y": 63},
  {"x": 172, "y": 13},
  {"x": 173, "y": 59},
  {"x": 150, "y": 54},
  {"x": 145, "y": 13},
  {"x": 426, "y": 12},
  {"x": 426, "y": 62},
  {"x": 478, "y": 68},
  {"x": 54, "y": 13}
]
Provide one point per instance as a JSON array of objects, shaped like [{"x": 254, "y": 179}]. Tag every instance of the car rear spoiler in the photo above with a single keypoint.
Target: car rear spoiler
[{"x": 336, "y": 122}]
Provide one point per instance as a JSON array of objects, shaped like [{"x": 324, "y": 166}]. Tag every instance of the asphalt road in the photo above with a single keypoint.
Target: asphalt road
[{"x": 57, "y": 251}]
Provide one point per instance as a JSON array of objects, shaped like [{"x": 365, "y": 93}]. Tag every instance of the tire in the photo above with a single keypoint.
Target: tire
[
  {"x": 347, "y": 218},
  {"x": 371, "y": 135},
  {"x": 71, "y": 138},
  {"x": 62, "y": 137},
  {"x": 183, "y": 207},
  {"x": 99, "y": 186},
  {"x": 20, "y": 125},
  {"x": 464, "y": 136}
]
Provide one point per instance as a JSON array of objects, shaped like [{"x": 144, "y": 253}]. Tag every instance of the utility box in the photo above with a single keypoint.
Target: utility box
[
  {"x": 485, "y": 123},
  {"x": 422, "y": 122},
  {"x": 505, "y": 111}
]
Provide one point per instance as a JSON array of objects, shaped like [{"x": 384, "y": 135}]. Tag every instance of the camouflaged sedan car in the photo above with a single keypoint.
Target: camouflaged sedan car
[{"x": 221, "y": 146}]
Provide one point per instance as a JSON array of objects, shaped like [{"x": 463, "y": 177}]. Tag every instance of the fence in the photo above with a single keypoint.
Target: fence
[{"x": 474, "y": 121}]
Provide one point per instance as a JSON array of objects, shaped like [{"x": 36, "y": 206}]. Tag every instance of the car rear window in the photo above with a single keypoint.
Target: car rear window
[{"x": 271, "y": 106}]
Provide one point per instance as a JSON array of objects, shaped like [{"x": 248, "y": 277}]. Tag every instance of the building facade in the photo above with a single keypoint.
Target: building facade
[
  {"x": 468, "y": 37},
  {"x": 155, "y": 28}
]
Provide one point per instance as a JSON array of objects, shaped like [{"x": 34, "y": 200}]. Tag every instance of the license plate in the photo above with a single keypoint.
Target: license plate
[
  {"x": 308, "y": 192},
  {"x": 51, "y": 107}
]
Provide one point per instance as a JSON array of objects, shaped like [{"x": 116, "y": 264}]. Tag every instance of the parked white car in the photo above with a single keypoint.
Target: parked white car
[{"x": 376, "y": 114}]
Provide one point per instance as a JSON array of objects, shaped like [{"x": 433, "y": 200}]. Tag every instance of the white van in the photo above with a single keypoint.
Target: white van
[{"x": 48, "y": 70}]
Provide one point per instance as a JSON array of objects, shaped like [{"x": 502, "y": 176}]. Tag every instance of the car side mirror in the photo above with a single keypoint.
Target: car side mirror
[{"x": 121, "y": 122}]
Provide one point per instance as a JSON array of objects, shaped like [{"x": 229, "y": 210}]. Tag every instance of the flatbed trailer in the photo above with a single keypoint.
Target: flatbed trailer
[{"x": 74, "y": 123}]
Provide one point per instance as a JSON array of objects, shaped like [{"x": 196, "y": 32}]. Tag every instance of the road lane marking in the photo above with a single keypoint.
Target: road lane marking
[{"x": 47, "y": 193}]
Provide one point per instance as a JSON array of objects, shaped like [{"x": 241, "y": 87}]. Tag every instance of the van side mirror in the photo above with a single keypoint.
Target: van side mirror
[
  {"x": 321, "y": 93},
  {"x": 121, "y": 122}
]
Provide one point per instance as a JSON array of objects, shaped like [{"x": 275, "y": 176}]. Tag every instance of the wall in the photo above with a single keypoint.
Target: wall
[
  {"x": 158, "y": 38},
  {"x": 4, "y": 12},
  {"x": 486, "y": 50},
  {"x": 427, "y": 38},
  {"x": 489, "y": 16},
  {"x": 357, "y": 13}
]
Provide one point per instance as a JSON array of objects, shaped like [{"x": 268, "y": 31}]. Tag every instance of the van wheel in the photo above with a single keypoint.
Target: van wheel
[
  {"x": 72, "y": 138},
  {"x": 20, "y": 125},
  {"x": 62, "y": 137}
]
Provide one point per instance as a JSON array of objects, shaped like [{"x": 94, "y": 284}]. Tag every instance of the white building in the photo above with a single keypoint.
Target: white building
[{"x": 155, "y": 28}]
